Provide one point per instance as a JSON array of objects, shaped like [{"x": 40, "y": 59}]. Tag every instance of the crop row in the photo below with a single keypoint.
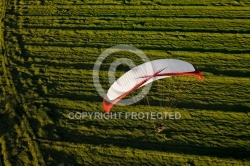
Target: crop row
[
  {"x": 91, "y": 54},
  {"x": 137, "y": 2},
  {"x": 136, "y": 11},
  {"x": 86, "y": 57},
  {"x": 145, "y": 40},
  {"x": 149, "y": 24}
]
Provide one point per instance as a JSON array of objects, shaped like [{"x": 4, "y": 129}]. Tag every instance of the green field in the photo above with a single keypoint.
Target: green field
[{"x": 49, "y": 48}]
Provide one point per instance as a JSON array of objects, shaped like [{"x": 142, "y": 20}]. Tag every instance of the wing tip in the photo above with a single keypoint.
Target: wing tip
[
  {"x": 200, "y": 76},
  {"x": 198, "y": 73},
  {"x": 106, "y": 106}
]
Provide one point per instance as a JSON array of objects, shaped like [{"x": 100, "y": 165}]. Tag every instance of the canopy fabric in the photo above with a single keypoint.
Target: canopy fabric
[{"x": 144, "y": 74}]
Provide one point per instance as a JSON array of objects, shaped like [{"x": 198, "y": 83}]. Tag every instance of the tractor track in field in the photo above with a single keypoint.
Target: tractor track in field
[{"x": 10, "y": 85}]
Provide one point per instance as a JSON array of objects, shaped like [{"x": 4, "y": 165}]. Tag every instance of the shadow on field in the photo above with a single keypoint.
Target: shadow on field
[
  {"x": 66, "y": 65},
  {"x": 7, "y": 122},
  {"x": 59, "y": 157},
  {"x": 222, "y": 107},
  {"x": 230, "y": 73},
  {"x": 150, "y": 47},
  {"x": 234, "y": 107},
  {"x": 75, "y": 97},
  {"x": 73, "y": 136},
  {"x": 4, "y": 124},
  {"x": 1, "y": 156}
]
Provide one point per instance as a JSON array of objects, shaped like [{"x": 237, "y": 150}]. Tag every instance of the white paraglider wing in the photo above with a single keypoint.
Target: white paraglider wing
[{"x": 144, "y": 74}]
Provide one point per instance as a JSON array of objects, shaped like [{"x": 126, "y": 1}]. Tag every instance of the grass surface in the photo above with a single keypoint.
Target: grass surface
[{"x": 48, "y": 50}]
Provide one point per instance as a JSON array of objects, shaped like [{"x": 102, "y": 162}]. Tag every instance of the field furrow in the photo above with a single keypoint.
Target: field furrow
[
  {"x": 133, "y": 24},
  {"x": 137, "y": 11}
]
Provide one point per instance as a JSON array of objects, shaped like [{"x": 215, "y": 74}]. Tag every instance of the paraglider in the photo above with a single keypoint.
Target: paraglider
[
  {"x": 159, "y": 127},
  {"x": 144, "y": 74}
]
